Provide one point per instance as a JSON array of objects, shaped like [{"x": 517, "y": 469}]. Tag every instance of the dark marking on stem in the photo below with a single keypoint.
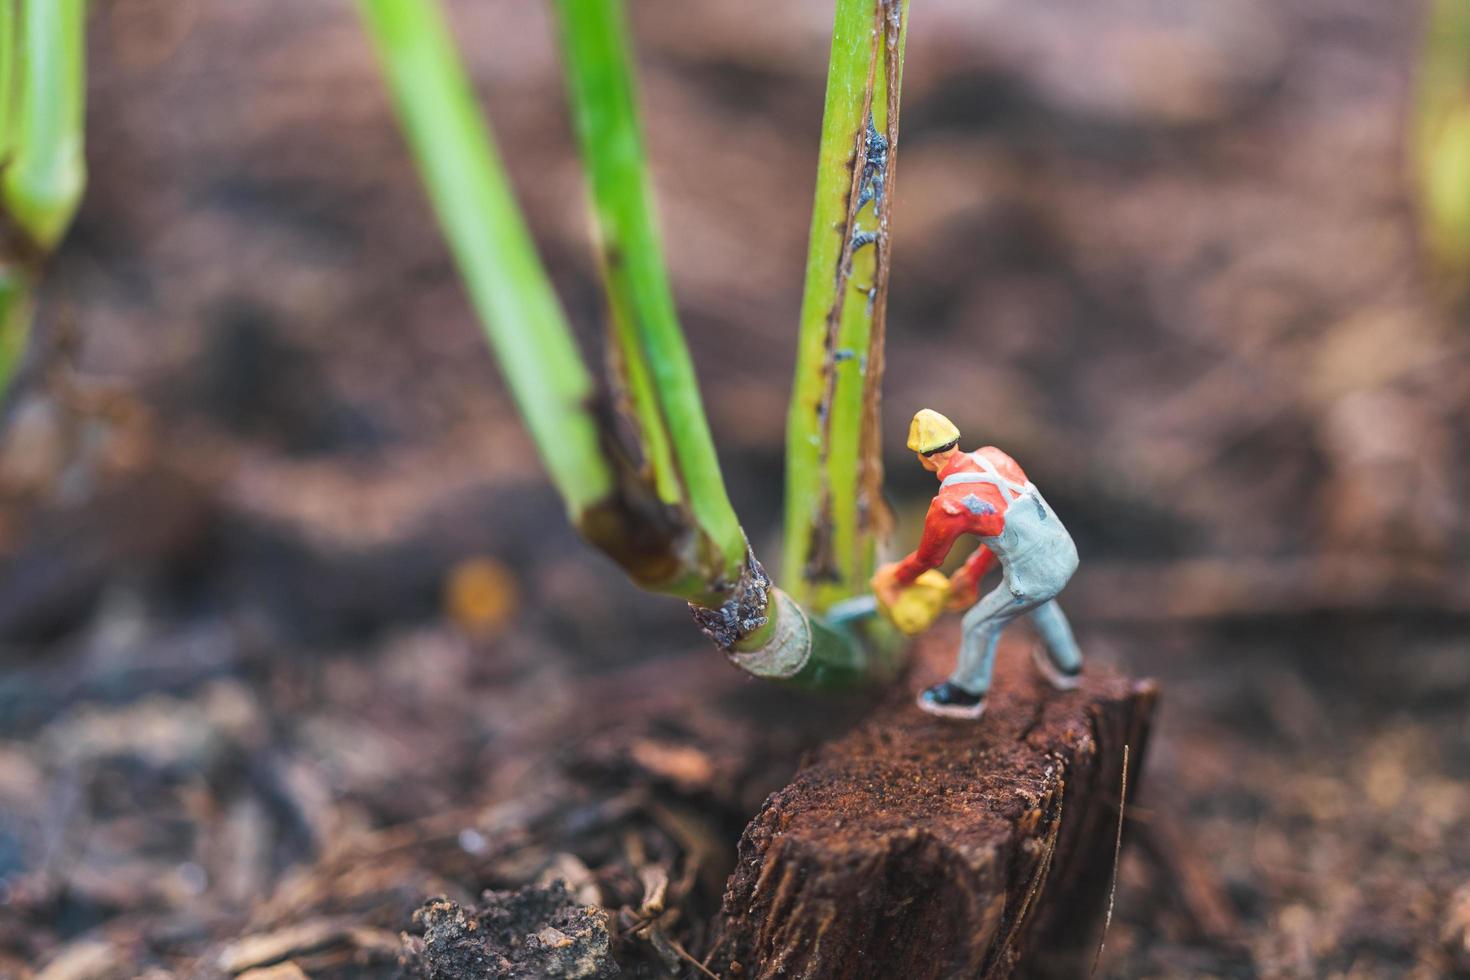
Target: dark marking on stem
[
  {"x": 743, "y": 613},
  {"x": 821, "y": 562},
  {"x": 656, "y": 543},
  {"x": 613, "y": 261},
  {"x": 874, "y": 515},
  {"x": 639, "y": 532},
  {"x": 620, "y": 405},
  {"x": 870, "y": 186},
  {"x": 875, "y": 165}
]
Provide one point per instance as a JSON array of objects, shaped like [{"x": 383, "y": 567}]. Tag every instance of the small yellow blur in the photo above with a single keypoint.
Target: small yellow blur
[{"x": 480, "y": 596}]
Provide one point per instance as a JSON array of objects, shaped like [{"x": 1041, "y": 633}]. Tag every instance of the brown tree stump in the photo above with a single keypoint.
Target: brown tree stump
[{"x": 917, "y": 847}]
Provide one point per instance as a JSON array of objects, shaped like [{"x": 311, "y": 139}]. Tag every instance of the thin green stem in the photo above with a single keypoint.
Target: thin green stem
[
  {"x": 834, "y": 509},
  {"x": 7, "y": 77},
  {"x": 497, "y": 259},
  {"x": 42, "y": 168},
  {"x": 14, "y": 289},
  {"x": 45, "y": 173},
  {"x": 1442, "y": 141},
  {"x": 15, "y": 320},
  {"x": 655, "y": 360}
]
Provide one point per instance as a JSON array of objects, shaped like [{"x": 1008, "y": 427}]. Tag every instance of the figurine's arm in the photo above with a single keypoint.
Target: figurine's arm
[{"x": 942, "y": 527}]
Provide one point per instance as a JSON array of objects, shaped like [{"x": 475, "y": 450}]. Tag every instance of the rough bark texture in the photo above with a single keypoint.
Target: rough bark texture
[{"x": 921, "y": 848}]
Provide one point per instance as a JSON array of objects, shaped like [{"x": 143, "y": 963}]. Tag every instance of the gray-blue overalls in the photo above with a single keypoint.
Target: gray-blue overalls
[{"x": 1037, "y": 557}]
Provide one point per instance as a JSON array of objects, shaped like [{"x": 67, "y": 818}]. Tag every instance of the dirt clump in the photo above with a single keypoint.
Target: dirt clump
[{"x": 533, "y": 932}]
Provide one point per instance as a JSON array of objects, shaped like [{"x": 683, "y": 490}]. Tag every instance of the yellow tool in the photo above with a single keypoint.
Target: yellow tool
[{"x": 919, "y": 604}]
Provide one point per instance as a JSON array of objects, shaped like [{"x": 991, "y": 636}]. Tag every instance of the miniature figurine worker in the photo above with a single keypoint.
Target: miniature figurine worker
[{"x": 984, "y": 493}]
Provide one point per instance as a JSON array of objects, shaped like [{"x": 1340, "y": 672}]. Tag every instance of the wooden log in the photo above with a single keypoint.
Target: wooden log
[{"x": 918, "y": 847}]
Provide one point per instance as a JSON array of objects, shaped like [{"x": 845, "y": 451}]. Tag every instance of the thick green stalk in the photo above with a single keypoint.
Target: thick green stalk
[
  {"x": 497, "y": 259},
  {"x": 1442, "y": 141},
  {"x": 808, "y": 651},
  {"x": 658, "y": 371},
  {"x": 45, "y": 171},
  {"x": 834, "y": 507}
]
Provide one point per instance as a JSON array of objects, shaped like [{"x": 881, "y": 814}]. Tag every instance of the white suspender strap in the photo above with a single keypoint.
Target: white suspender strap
[{"x": 1007, "y": 489}]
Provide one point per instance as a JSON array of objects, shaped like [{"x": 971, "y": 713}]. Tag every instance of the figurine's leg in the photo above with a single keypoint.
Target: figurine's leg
[
  {"x": 963, "y": 695},
  {"x": 1057, "y": 655},
  {"x": 982, "y": 627}
]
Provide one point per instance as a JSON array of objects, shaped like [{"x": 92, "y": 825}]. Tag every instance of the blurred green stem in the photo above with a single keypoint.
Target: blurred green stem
[
  {"x": 15, "y": 318},
  {"x": 7, "y": 77},
  {"x": 1442, "y": 141},
  {"x": 834, "y": 508},
  {"x": 45, "y": 172},
  {"x": 14, "y": 289},
  {"x": 42, "y": 114},
  {"x": 497, "y": 260}
]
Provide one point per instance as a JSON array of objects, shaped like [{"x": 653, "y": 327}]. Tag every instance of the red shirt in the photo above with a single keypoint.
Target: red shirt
[{"x": 965, "y": 508}]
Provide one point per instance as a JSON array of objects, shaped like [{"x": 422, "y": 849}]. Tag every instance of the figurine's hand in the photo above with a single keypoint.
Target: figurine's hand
[
  {"x": 964, "y": 590},
  {"x": 885, "y": 584}
]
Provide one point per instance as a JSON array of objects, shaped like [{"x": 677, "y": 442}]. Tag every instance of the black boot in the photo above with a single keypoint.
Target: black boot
[{"x": 951, "y": 701}]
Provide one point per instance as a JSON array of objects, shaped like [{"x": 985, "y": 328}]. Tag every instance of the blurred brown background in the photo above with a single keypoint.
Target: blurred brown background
[{"x": 1165, "y": 254}]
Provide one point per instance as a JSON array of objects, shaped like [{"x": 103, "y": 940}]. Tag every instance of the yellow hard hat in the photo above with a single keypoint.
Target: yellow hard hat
[{"x": 930, "y": 431}]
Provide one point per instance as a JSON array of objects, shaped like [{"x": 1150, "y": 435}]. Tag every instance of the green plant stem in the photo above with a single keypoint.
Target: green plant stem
[
  {"x": 1442, "y": 141},
  {"x": 803, "y": 649},
  {"x": 7, "y": 76},
  {"x": 45, "y": 171},
  {"x": 42, "y": 168},
  {"x": 15, "y": 319},
  {"x": 834, "y": 510},
  {"x": 654, "y": 358},
  {"x": 497, "y": 259},
  {"x": 14, "y": 291}
]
